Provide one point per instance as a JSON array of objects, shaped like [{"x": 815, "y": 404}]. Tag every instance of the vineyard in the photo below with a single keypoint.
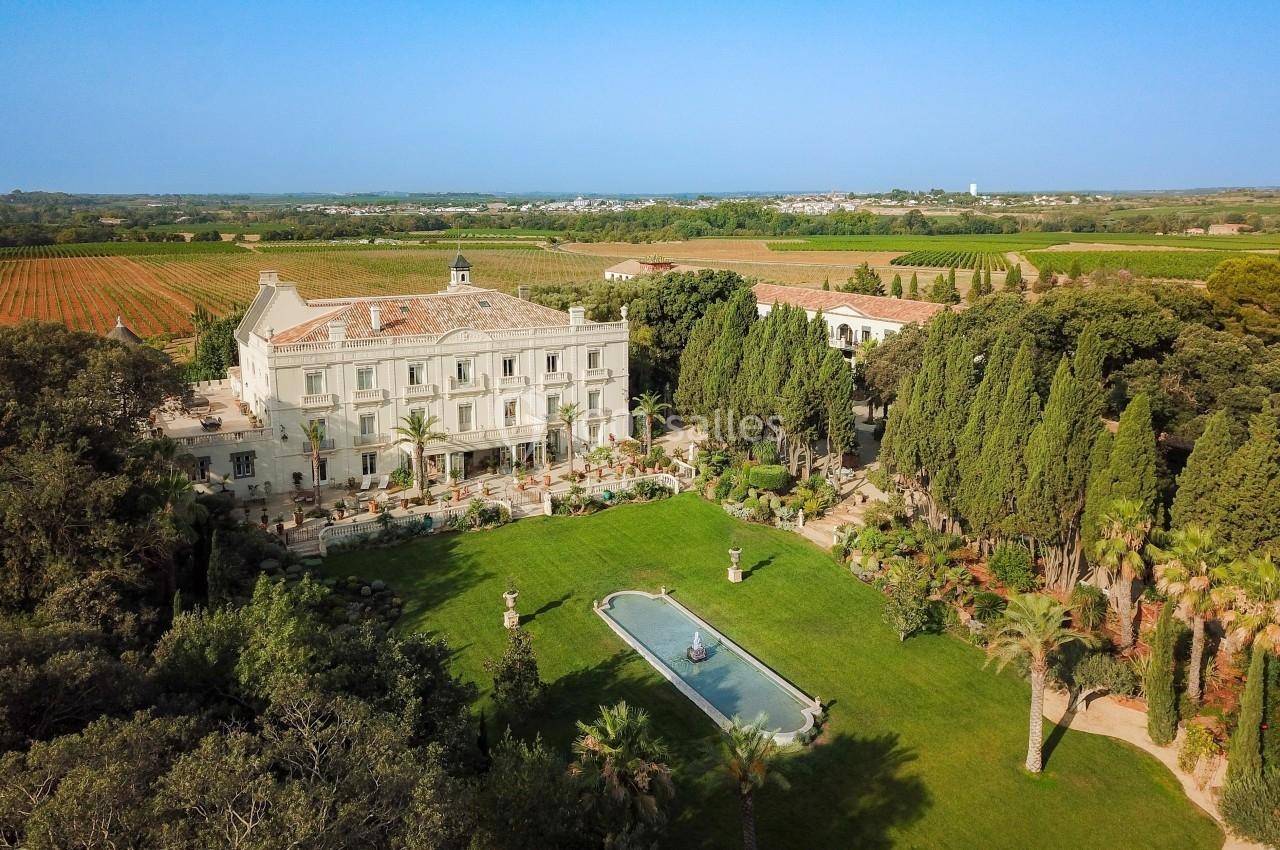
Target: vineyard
[
  {"x": 156, "y": 294},
  {"x": 1176, "y": 265},
  {"x": 118, "y": 249},
  {"x": 1029, "y": 241},
  {"x": 980, "y": 260}
]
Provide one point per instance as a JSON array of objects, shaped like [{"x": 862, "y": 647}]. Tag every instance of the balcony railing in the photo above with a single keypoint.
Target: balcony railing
[
  {"x": 370, "y": 396},
  {"x": 477, "y": 382},
  {"x": 319, "y": 400},
  {"x": 598, "y": 374},
  {"x": 222, "y": 437},
  {"x": 557, "y": 378},
  {"x": 511, "y": 381},
  {"x": 362, "y": 440},
  {"x": 599, "y": 413},
  {"x": 487, "y": 437},
  {"x": 420, "y": 391}
]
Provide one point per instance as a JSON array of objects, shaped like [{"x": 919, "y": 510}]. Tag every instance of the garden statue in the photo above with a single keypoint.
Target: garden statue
[
  {"x": 735, "y": 565},
  {"x": 697, "y": 652}
]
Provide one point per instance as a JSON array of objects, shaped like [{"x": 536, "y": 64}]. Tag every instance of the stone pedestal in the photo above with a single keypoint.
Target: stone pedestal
[
  {"x": 510, "y": 617},
  {"x": 735, "y": 574},
  {"x": 735, "y": 565}
]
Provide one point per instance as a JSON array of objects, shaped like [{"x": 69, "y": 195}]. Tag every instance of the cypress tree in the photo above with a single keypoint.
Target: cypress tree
[
  {"x": 838, "y": 389},
  {"x": 1197, "y": 499},
  {"x": 1003, "y": 451},
  {"x": 895, "y": 286},
  {"x": 220, "y": 573},
  {"x": 981, "y": 419},
  {"x": 1162, "y": 701},
  {"x": 898, "y": 423},
  {"x": 1013, "y": 279},
  {"x": 1044, "y": 280},
  {"x": 951, "y": 279},
  {"x": 1050, "y": 502},
  {"x": 826, "y": 284},
  {"x": 691, "y": 395},
  {"x": 1133, "y": 457},
  {"x": 1244, "y": 756},
  {"x": 913, "y": 290},
  {"x": 1248, "y": 495},
  {"x": 947, "y": 426},
  {"x": 1097, "y": 496},
  {"x": 987, "y": 288},
  {"x": 724, "y": 359}
]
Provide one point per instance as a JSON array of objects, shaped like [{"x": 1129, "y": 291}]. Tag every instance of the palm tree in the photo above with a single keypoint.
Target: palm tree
[
  {"x": 1251, "y": 595},
  {"x": 567, "y": 415},
  {"x": 1033, "y": 628},
  {"x": 749, "y": 753},
  {"x": 314, "y": 434},
  {"x": 1189, "y": 562},
  {"x": 418, "y": 430},
  {"x": 1123, "y": 531},
  {"x": 650, "y": 406},
  {"x": 619, "y": 760}
]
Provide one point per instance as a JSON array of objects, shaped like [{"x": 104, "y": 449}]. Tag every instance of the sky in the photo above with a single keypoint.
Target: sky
[{"x": 638, "y": 97}]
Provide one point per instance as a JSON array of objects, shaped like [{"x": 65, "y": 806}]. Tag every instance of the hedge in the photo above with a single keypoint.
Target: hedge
[{"x": 769, "y": 476}]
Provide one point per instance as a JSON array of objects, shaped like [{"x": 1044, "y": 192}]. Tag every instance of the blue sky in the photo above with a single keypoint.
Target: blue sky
[{"x": 602, "y": 97}]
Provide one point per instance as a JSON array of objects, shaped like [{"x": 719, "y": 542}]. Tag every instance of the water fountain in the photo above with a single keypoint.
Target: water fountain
[{"x": 697, "y": 652}]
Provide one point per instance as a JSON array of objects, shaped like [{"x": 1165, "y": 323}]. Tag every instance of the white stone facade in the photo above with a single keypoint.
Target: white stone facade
[{"x": 492, "y": 368}]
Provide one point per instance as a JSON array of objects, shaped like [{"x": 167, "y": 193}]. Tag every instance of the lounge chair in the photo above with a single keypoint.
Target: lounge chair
[
  {"x": 383, "y": 482},
  {"x": 365, "y": 482}
]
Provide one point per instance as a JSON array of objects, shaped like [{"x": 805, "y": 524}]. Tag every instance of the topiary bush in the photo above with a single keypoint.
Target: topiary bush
[
  {"x": 1010, "y": 564},
  {"x": 769, "y": 477}
]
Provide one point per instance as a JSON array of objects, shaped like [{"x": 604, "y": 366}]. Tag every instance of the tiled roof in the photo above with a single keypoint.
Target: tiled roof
[
  {"x": 459, "y": 262},
  {"x": 873, "y": 306},
  {"x": 438, "y": 313}
]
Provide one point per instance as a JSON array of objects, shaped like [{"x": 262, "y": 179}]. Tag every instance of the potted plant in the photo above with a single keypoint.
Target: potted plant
[
  {"x": 340, "y": 508},
  {"x": 546, "y": 477},
  {"x": 404, "y": 503},
  {"x": 264, "y": 518},
  {"x": 510, "y": 595},
  {"x": 280, "y": 522},
  {"x": 454, "y": 477},
  {"x": 298, "y": 516},
  {"x": 297, "y": 482},
  {"x": 373, "y": 506}
]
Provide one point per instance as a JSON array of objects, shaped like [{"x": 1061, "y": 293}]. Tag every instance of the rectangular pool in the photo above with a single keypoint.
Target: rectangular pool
[{"x": 729, "y": 683}]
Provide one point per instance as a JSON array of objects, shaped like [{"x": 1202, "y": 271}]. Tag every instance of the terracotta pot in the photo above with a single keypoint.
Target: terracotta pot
[
  {"x": 279, "y": 528},
  {"x": 546, "y": 481},
  {"x": 297, "y": 518},
  {"x": 373, "y": 507},
  {"x": 341, "y": 512},
  {"x": 404, "y": 504}
]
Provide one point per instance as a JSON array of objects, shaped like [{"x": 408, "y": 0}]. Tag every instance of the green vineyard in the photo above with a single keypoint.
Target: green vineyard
[
  {"x": 992, "y": 260},
  {"x": 118, "y": 249}
]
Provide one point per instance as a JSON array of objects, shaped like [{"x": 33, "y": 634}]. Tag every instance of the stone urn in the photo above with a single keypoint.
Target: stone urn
[
  {"x": 510, "y": 617},
  {"x": 298, "y": 517},
  {"x": 735, "y": 565}
]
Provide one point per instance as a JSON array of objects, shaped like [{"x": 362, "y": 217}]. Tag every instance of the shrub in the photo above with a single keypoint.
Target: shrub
[
  {"x": 1198, "y": 744},
  {"x": 517, "y": 687},
  {"x": 1090, "y": 606},
  {"x": 1010, "y": 564},
  {"x": 765, "y": 452},
  {"x": 907, "y": 609},
  {"x": 1250, "y": 805},
  {"x": 1099, "y": 671},
  {"x": 816, "y": 495},
  {"x": 769, "y": 477},
  {"x": 987, "y": 606}
]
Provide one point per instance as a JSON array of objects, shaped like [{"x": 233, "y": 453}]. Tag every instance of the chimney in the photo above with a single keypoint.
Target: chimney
[
  {"x": 337, "y": 330},
  {"x": 269, "y": 277},
  {"x": 375, "y": 317},
  {"x": 523, "y": 293},
  {"x": 577, "y": 315}
]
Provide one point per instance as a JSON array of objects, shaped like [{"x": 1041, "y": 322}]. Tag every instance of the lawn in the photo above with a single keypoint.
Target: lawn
[{"x": 922, "y": 748}]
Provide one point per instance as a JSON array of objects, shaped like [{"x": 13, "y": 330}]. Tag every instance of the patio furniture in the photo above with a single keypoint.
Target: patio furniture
[
  {"x": 211, "y": 423},
  {"x": 383, "y": 482}
]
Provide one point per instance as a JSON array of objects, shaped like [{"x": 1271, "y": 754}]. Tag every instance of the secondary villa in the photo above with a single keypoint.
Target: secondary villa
[
  {"x": 852, "y": 318},
  {"x": 492, "y": 367},
  {"x": 628, "y": 269}
]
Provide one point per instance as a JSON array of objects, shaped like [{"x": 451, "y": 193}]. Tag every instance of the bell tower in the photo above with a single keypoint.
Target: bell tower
[{"x": 459, "y": 272}]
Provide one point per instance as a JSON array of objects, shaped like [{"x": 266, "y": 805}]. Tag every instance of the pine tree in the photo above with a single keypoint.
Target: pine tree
[
  {"x": 913, "y": 290},
  {"x": 1013, "y": 279},
  {"x": 1244, "y": 759},
  {"x": 1162, "y": 700},
  {"x": 1249, "y": 490},
  {"x": 1097, "y": 496},
  {"x": 895, "y": 287},
  {"x": 1133, "y": 457},
  {"x": 1197, "y": 498}
]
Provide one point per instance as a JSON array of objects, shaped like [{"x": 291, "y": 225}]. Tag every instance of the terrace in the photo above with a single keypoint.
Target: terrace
[{"x": 214, "y": 400}]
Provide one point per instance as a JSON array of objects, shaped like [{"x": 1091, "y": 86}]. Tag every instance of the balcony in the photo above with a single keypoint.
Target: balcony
[
  {"x": 371, "y": 396},
  {"x": 360, "y": 441},
  {"x": 599, "y": 413},
  {"x": 413, "y": 391},
  {"x": 319, "y": 400},
  {"x": 478, "y": 383},
  {"x": 557, "y": 378},
  {"x": 492, "y": 437},
  {"x": 508, "y": 381},
  {"x": 598, "y": 374}
]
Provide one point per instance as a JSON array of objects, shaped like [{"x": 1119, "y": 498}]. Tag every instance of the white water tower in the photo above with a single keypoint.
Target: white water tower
[{"x": 973, "y": 189}]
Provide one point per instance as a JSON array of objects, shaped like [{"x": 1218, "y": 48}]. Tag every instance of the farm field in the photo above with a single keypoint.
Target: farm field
[
  {"x": 1019, "y": 242},
  {"x": 942, "y": 259},
  {"x": 118, "y": 249},
  {"x": 156, "y": 294},
  {"x": 1177, "y": 265}
]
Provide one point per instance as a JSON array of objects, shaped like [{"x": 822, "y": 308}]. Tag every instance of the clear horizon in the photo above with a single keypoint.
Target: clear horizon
[{"x": 119, "y": 98}]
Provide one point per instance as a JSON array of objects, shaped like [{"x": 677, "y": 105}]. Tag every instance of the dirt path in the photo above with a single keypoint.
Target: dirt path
[{"x": 1107, "y": 717}]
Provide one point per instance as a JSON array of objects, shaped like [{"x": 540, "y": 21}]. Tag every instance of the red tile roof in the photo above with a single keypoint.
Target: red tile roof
[
  {"x": 873, "y": 306},
  {"x": 438, "y": 313}
]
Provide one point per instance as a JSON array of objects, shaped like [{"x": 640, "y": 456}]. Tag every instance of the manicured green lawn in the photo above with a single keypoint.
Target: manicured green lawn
[{"x": 923, "y": 747}]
